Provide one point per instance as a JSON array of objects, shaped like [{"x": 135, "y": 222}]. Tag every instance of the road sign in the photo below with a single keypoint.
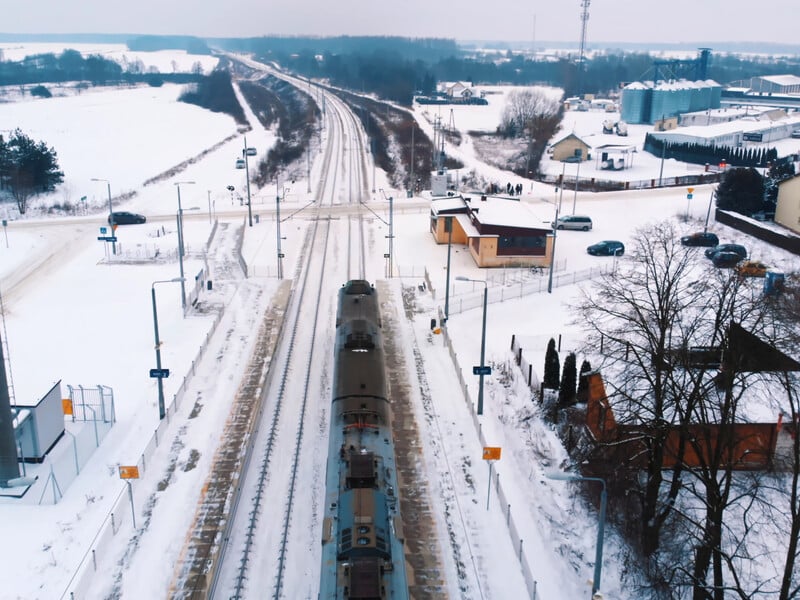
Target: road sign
[
  {"x": 688, "y": 196},
  {"x": 491, "y": 452},
  {"x": 386, "y": 255},
  {"x": 159, "y": 373},
  {"x": 130, "y": 472},
  {"x": 103, "y": 230},
  {"x": 66, "y": 406},
  {"x": 481, "y": 370},
  {"x": 281, "y": 255},
  {"x": 104, "y": 238},
  {"x": 690, "y": 190}
]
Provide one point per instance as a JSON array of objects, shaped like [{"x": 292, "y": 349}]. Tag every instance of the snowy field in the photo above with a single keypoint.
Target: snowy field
[{"x": 85, "y": 317}]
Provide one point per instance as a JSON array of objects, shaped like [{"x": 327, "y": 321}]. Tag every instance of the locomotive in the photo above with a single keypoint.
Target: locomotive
[{"x": 362, "y": 539}]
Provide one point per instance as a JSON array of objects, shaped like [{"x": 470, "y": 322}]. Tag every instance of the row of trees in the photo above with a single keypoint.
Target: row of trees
[
  {"x": 565, "y": 381},
  {"x": 705, "y": 528},
  {"x": 27, "y": 168},
  {"x": 71, "y": 65},
  {"x": 398, "y": 68},
  {"x": 701, "y": 154}
]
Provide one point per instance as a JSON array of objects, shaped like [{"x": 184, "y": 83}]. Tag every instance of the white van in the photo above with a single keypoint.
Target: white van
[{"x": 578, "y": 222}]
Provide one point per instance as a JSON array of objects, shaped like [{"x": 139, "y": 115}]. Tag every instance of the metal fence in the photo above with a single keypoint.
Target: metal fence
[
  {"x": 80, "y": 585},
  {"x": 538, "y": 285},
  {"x": 513, "y": 532}
]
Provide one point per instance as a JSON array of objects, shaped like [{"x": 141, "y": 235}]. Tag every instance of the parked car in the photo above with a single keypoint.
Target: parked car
[
  {"x": 737, "y": 248},
  {"x": 752, "y": 268},
  {"x": 726, "y": 259},
  {"x": 700, "y": 238},
  {"x": 126, "y": 218},
  {"x": 579, "y": 222},
  {"x": 606, "y": 248}
]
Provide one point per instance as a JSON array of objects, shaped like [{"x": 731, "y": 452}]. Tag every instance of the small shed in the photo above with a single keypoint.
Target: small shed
[{"x": 567, "y": 148}]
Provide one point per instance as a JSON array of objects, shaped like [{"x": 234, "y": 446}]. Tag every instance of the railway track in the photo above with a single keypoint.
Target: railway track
[{"x": 292, "y": 427}]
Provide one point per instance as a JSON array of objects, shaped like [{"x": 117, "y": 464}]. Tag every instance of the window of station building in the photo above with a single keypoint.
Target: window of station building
[{"x": 521, "y": 242}]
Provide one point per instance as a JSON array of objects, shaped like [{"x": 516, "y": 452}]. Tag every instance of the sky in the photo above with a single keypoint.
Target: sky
[
  {"x": 85, "y": 318},
  {"x": 686, "y": 21}
]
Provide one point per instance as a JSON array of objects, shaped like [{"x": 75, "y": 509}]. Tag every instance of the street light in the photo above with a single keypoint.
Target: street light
[
  {"x": 161, "y": 410},
  {"x": 482, "y": 370},
  {"x": 278, "y": 230},
  {"x": 180, "y": 242},
  {"x": 391, "y": 231},
  {"x": 448, "y": 226},
  {"x": 553, "y": 249},
  {"x": 110, "y": 214},
  {"x": 247, "y": 176},
  {"x": 598, "y": 560}
]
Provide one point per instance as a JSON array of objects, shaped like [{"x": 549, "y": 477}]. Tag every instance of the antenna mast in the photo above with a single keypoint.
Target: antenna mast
[{"x": 584, "y": 21}]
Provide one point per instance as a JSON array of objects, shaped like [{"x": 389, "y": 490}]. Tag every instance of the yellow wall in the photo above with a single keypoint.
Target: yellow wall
[
  {"x": 787, "y": 211},
  {"x": 566, "y": 149}
]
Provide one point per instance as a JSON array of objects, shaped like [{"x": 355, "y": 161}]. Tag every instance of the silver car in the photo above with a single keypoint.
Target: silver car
[{"x": 578, "y": 222}]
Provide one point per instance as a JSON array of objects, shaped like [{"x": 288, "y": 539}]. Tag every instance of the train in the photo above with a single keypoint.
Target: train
[{"x": 362, "y": 538}]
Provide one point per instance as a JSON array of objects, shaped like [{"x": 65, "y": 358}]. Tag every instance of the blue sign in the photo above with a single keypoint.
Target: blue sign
[
  {"x": 159, "y": 373},
  {"x": 481, "y": 370},
  {"x": 688, "y": 196}
]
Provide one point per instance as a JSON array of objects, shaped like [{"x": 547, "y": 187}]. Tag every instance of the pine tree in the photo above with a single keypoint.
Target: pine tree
[
  {"x": 552, "y": 366},
  {"x": 566, "y": 391},
  {"x": 583, "y": 382}
]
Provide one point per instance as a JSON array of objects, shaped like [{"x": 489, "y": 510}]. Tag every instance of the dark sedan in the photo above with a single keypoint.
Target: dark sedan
[
  {"x": 126, "y": 218},
  {"x": 700, "y": 238},
  {"x": 725, "y": 259},
  {"x": 736, "y": 248},
  {"x": 606, "y": 248}
]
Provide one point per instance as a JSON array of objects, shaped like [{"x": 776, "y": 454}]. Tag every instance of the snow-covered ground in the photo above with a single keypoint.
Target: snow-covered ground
[{"x": 85, "y": 317}]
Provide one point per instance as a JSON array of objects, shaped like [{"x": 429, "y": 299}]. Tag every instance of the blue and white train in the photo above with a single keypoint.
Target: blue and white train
[{"x": 362, "y": 540}]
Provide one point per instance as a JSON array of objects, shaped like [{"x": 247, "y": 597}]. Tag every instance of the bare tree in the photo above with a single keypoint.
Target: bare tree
[
  {"x": 635, "y": 316},
  {"x": 534, "y": 115}
]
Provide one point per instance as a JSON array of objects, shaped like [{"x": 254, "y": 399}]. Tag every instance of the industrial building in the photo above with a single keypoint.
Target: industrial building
[
  {"x": 769, "y": 126},
  {"x": 647, "y": 102},
  {"x": 775, "y": 84}
]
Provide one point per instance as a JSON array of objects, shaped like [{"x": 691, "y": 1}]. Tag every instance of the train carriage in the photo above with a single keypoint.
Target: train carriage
[{"x": 362, "y": 541}]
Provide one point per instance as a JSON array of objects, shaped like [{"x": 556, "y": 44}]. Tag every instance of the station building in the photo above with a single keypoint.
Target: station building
[{"x": 498, "y": 231}]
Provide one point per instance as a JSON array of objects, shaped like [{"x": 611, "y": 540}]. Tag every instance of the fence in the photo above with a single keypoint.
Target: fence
[
  {"x": 92, "y": 418},
  {"x": 787, "y": 241},
  {"x": 459, "y": 304},
  {"x": 79, "y": 585},
  {"x": 592, "y": 184},
  {"x": 513, "y": 532}
]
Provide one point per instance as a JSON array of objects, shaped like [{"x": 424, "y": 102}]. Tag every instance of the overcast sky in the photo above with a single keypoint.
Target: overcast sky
[{"x": 702, "y": 21}]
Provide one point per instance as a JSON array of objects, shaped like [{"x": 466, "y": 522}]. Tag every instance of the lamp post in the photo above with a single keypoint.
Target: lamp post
[
  {"x": 577, "y": 177},
  {"x": 161, "y": 410},
  {"x": 209, "y": 207},
  {"x": 390, "y": 237},
  {"x": 448, "y": 226},
  {"x": 278, "y": 231},
  {"x": 247, "y": 176},
  {"x": 598, "y": 560},
  {"x": 553, "y": 249},
  {"x": 110, "y": 214},
  {"x": 708, "y": 212},
  {"x": 180, "y": 242},
  {"x": 482, "y": 369}
]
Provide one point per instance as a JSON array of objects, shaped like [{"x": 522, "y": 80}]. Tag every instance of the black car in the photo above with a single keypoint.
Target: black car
[
  {"x": 606, "y": 248},
  {"x": 738, "y": 249},
  {"x": 126, "y": 218},
  {"x": 700, "y": 238},
  {"x": 725, "y": 259}
]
